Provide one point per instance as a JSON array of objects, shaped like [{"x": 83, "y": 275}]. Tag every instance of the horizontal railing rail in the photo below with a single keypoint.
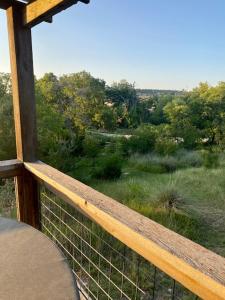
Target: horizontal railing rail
[
  {"x": 10, "y": 168},
  {"x": 196, "y": 268}
]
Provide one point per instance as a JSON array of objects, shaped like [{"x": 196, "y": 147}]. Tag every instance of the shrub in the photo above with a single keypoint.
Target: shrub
[
  {"x": 189, "y": 159},
  {"x": 153, "y": 163},
  {"x": 108, "y": 167},
  {"x": 166, "y": 146},
  {"x": 210, "y": 159},
  {"x": 169, "y": 199},
  {"x": 82, "y": 169},
  {"x": 169, "y": 163},
  {"x": 143, "y": 140},
  {"x": 146, "y": 163},
  {"x": 114, "y": 147},
  {"x": 91, "y": 145}
]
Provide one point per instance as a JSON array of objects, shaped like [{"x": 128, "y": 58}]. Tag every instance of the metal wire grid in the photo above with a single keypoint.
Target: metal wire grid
[
  {"x": 104, "y": 267},
  {"x": 7, "y": 198}
]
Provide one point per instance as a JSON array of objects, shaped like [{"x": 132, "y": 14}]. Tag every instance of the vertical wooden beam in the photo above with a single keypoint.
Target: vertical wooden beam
[
  {"x": 27, "y": 199},
  {"x": 21, "y": 57}
]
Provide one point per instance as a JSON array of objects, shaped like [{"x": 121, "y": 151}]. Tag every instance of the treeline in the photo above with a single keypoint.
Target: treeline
[{"x": 71, "y": 105}]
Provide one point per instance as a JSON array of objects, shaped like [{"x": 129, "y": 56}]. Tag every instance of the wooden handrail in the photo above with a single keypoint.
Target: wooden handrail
[
  {"x": 10, "y": 168},
  {"x": 196, "y": 268}
]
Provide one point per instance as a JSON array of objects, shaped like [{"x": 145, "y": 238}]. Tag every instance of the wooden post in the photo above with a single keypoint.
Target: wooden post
[{"x": 21, "y": 57}]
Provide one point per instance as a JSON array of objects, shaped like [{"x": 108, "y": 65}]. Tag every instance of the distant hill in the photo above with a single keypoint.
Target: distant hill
[{"x": 145, "y": 93}]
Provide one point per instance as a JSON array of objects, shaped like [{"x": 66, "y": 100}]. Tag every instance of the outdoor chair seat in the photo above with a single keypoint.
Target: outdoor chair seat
[{"x": 31, "y": 265}]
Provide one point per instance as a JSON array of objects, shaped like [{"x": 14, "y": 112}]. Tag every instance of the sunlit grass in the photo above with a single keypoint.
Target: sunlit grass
[{"x": 199, "y": 213}]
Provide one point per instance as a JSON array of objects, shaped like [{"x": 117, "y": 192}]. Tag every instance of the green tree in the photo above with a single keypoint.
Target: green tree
[
  {"x": 122, "y": 93},
  {"x": 106, "y": 118},
  {"x": 49, "y": 88},
  {"x": 84, "y": 96},
  {"x": 7, "y": 133},
  {"x": 181, "y": 120}
]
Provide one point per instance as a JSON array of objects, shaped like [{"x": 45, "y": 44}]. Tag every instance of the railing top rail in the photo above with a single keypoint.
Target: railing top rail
[
  {"x": 10, "y": 168},
  {"x": 198, "y": 269}
]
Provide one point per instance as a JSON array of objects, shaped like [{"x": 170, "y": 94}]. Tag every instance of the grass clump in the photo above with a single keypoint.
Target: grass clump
[
  {"x": 169, "y": 199},
  {"x": 210, "y": 159},
  {"x": 189, "y": 159},
  {"x": 154, "y": 163}
]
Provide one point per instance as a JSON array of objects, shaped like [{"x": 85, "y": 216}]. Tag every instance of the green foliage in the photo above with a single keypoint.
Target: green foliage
[
  {"x": 7, "y": 135},
  {"x": 122, "y": 93},
  {"x": 57, "y": 142},
  {"x": 91, "y": 145},
  {"x": 143, "y": 139},
  {"x": 189, "y": 159},
  {"x": 83, "y": 169},
  {"x": 71, "y": 106},
  {"x": 166, "y": 146},
  {"x": 157, "y": 115},
  {"x": 210, "y": 159},
  {"x": 154, "y": 163},
  {"x": 198, "y": 116},
  {"x": 106, "y": 119},
  {"x": 182, "y": 127},
  {"x": 169, "y": 199},
  {"x": 108, "y": 167},
  {"x": 84, "y": 99},
  {"x": 48, "y": 87},
  {"x": 7, "y": 199}
]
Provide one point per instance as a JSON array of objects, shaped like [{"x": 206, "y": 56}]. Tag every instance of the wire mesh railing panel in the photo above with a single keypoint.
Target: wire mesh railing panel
[
  {"x": 104, "y": 267},
  {"x": 7, "y": 198}
]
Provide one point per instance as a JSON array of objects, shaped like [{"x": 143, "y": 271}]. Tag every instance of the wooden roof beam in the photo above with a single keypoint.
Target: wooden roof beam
[
  {"x": 4, "y": 4},
  {"x": 41, "y": 10}
]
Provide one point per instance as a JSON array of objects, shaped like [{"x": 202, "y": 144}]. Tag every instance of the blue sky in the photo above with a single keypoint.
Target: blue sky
[{"x": 168, "y": 44}]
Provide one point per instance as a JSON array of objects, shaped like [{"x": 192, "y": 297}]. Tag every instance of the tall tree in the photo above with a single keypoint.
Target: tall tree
[
  {"x": 7, "y": 133},
  {"x": 84, "y": 96}
]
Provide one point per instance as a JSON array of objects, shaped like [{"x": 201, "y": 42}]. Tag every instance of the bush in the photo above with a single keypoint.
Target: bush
[
  {"x": 153, "y": 163},
  {"x": 189, "y": 159},
  {"x": 210, "y": 159},
  {"x": 91, "y": 145},
  {"x": 108, "y": 167},
  {"x": 169, "y": 199},
  {"x": 82, "y": 170},
  {"x": 143, "y": 140},
  {"x": 166, "y": 146},
  {"x": 114, "y": 147}
]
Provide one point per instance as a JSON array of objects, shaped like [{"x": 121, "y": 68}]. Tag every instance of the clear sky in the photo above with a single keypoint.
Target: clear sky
[{"x": 168, "y": 44}]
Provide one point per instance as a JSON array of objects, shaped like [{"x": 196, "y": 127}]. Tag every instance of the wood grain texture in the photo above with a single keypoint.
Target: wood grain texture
[
  {"x": 198, "y": 269},
  {"x": 21, "y": 57},
  {"x": 10, "y": 168},
  {"x": 40, "y": 10},
  {"x": 27, "y": 199}
]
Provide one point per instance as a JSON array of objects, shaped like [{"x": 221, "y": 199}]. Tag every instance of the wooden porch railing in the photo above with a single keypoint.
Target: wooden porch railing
[{"x": 196, "y": 268}]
